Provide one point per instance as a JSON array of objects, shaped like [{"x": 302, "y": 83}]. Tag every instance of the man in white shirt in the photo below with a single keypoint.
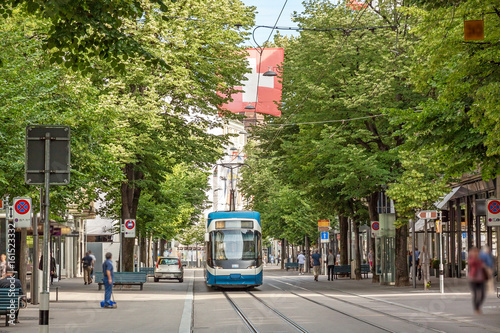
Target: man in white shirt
[
  {"x": 302, "y": 260},
  {"x": 93, "y": 262}
]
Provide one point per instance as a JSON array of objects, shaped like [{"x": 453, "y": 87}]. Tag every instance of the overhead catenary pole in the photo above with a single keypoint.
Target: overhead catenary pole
[
  {"x": 44, "y": 295},
  {"x": 441, "y": 269},
  {"x": 414, "y": 262},
  {"x": 34, "y": 275}
]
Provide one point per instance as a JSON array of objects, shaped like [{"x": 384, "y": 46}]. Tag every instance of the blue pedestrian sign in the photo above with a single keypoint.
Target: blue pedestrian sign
[{"x": 325, "y": 237}]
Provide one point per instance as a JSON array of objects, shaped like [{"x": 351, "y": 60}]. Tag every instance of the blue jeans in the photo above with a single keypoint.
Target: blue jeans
[{"x": 108, "y": 289}]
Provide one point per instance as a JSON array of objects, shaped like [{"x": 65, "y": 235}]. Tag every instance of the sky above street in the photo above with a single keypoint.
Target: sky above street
[{"x": 267, "y": 14}]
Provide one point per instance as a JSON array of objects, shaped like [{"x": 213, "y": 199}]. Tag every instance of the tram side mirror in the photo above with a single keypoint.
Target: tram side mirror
[{"x": 207, "y": 237}]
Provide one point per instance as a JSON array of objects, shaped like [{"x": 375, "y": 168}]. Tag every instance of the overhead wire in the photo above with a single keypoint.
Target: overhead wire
[
  {"x": 327, "y": 121},
  {"x": 260, "y": 55},
  {"x": 320, "y": 77}
]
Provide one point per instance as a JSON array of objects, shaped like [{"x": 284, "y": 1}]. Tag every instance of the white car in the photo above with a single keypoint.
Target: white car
[{"x": 169, "y": 268}]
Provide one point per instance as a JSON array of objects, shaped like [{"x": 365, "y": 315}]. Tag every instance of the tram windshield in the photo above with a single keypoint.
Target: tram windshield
[{"x": 236, "y": 244}]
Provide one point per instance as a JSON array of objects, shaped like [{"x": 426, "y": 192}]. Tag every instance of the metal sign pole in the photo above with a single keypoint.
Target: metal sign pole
[
  {"x": 441, "y": 269},
  {"x": 34, "y": 280},
  {"x": 121, "y": 245},
  {"x": 414, "y": 262},
  {"x": 44, "y": 295}
]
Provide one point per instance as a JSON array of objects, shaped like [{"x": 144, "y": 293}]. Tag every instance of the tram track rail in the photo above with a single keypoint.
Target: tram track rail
[
  {"x": 385, "y": 329},
  {"x": 252, "y": 327},
  {"x": 435, "y": 315},
  {"x": 248, "y": 323},
  {"x": 282, "y": 316}
]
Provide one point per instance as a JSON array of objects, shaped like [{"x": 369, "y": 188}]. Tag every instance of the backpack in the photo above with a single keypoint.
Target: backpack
[{"x": 85, "y": 263}]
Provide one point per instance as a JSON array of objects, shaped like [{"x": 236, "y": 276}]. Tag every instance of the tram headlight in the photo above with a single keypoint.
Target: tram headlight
[
  {"x": 217, "y": 267},
  {"x": 252, "y": 267}
]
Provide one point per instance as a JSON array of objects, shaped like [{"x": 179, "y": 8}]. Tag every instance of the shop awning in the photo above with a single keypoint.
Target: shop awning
[{"x": 456, "y": 192}]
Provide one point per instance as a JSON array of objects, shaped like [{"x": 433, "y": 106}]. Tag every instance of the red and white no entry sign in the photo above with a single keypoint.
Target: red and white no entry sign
[
  {"x": 22, "y": 212},
  {"x": 494, "y": 206},
  {"x": 22, "y": 207},
  {"x": 130, "y": 224}
]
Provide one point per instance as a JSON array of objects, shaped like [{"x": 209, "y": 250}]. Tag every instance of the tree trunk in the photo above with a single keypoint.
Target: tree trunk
[
  {"x": 372, "y": 209},
  {"x": 357, "y": 252},
  {"x": 162, "y": 246},
  {"x": 343, "y": 224},
  {"x": 401, "y": 279},
  {"x": 144, "y": 252},
  {"x": 130, "y": 199},
  {"x": 154, "y": 251},
  {"x": 150, "y": 262},
  {"x": 283, "y": 249}
]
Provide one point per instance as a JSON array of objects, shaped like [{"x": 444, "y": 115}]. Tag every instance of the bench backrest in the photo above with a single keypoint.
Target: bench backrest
[
  {"x": 124, "y": 277},
  {"x": 6, "y": 295},
  {"x": 342, "y": 268}
]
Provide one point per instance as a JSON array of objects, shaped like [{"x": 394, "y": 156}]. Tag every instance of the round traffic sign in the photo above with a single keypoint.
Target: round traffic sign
[
  {"x": 22, "y": 207},
  {"x": 375, "y": 226},
  {"x": 129, "y": 224},
  {"x": 494, "y": 207}
]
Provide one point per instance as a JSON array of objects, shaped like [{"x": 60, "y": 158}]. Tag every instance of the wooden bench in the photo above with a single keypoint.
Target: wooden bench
[
  {"x": 123, "y": 278},
  {"x": 150, "y": 271},
  {"x": 293, "y": 265},
  {"x": 344, "y": 270},
  {"x": 10, "y": 303}
]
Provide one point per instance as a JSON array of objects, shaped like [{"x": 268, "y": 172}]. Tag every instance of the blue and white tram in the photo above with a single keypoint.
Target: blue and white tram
[{"x": 233, "y": 249}]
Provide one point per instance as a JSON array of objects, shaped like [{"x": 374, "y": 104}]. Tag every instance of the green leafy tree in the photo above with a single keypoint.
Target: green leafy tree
[
  {"x": 160, "y": 118},
  {"x": 355, "y": 65},
  {"x": 33, "y": 91}
]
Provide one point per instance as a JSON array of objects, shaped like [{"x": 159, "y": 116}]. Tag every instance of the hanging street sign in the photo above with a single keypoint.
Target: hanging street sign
[
  {"x": 493, "y": 213},
  {"x": 129, "y": 228},
  {"x": 428, "y": 214},
  {"x": 474, "y": 30},
  {"x": 325, "y": 237},
  {"x": 323, "y": 225},
  {"x": 59, "y": 150},
  {"x": 22, "y": 212}
]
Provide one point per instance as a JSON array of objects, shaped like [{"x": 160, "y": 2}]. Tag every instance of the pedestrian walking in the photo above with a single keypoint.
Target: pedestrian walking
[
  {"x": 477, "y": 278},
  {"x": 370, "y": 259},
  {"x": 416, "y": 255},
  {"x": 87, "y": 268},
  {"x": 93, "y": 263},
  {"x": 107, "y": 277},
  {"x": 53, "y": 268},
  {"x": 301, "y": 259},
  {"x": 330, "y": 261},
  {"x": 487, "y": 258},
  {"x": 410, "y": 263},
  {"x": 316, "y": 257}
]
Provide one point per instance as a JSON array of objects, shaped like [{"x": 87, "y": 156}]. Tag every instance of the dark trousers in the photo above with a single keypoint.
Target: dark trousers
[
  {"x": 108, "y": 289},
  {"x": 330, "y": 272},
  {"x": 478, "y": 294}
]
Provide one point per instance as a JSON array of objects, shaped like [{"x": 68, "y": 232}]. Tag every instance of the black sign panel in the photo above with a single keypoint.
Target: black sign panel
[{"x": 59, "y": 154}]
